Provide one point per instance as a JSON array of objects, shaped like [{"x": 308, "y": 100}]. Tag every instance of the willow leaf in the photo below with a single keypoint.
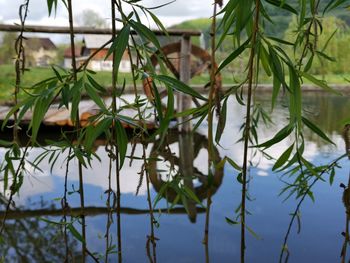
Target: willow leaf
[
  {"x": 233, "y": 55},
  {"x": 119, "y": 45},
  {"x": 283, "y": 158},
  {"x": 319, "y": 83},
  {"x": 122, "y": 142},
  {"x": 282, "y": 134},
  {"x": 192, "y": 195},
  {"x": 221, "y": 122},
  {"x": 264, "y": 58},
  {"x": 316, "y": 130},
  {"x": 93, "y": 132},
  {"x": 95, "y": 97},
  {"x": 282, "y": 5},
  {"x": 145, "y": 32},
  {"x": 333, "y": 4},
  {"x": 179, "y": 86},
  {"x": 275, "y": 90},
  {"x": 75, "y": 233},
  {"x": 40, "y": 109}
]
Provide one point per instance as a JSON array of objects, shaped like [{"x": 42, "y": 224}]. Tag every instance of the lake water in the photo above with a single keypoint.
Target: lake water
[{"x": 180, "y": 234}]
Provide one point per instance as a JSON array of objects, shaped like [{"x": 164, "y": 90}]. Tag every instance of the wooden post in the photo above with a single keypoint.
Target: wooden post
[
  {"x": 186, "y": 151},
  {"x": 184, "y": 101},
  {"x": 186, "y": 158}
]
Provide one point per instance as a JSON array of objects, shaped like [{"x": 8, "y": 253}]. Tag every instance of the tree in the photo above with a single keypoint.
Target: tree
[
  {"x": 7, "y": 51},
  {"x": 332, "y": 46},
  {"x": 90, "y": 18}
]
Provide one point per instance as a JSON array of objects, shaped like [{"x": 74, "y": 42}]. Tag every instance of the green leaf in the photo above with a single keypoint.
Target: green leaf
[
  {"x": 221, "y": 122},
  {"x": 50, "y": 4},
  {"x": 316, "y": 130},
  {"x": 295, "y": 106},
  {"x": 95, "y": 84},
  {"x": 331, "y": 177},
  {"x": 233, "y": 163},
  {"x": 192, "y": 195},
  {"x": 95, "y": 97},
  {"x": 283, "y": 158},
  {"x": 76, "y": 97},
  {"x": 282, "y": 134},
  {"x": 178, "y": 85},
  {"x": 275, "y": 65},
  {"x": 231, "y": 222},
  {"x": 309, "y": 167},
  {"x": 122, "y": 142},
  {"x": 325, "y": 56},
  {"x": 5, "y": 143},
  {"x": 40, "y": 109},
  {"x": 319, "y": 83},
  {"x": 15, "y": 108},
  {"x": 309, "y": 63},
  {"x": 282, "y": 41},
  {"x": 275, "y": 90},
  {"x": 283, "y": 5},
  {"x": 333, "y": 4},
  {"x": 264, "y": 57},
  {"x": 75, "y": 233},
  {"x": 311, "y": 195},
  {"x": 58, "y": 75},
  {"x": 158, "y": 22},
  {"x": 93, "y": 132},
  {"x": 145, "y": 32},
  {"x": 51, "y": 222},
  {"x": 233, "y": 55},
  {"x": 240, "y": 178},
  {"x": 252, "y": 232},
  {"x": 119, "y": 45}
]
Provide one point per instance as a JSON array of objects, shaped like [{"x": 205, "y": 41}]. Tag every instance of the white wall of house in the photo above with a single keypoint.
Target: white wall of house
[
  {"x": 101, "y": 65},
  {"x": 125, "y": 66},
  {"x": 67, "y": 63},
  {"x": 44, "y": 57}
]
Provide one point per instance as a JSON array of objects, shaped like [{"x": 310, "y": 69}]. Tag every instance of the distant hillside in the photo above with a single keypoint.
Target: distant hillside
[
  {"x": 280, "y": 17},
  {"x": 201, "y": 24}
]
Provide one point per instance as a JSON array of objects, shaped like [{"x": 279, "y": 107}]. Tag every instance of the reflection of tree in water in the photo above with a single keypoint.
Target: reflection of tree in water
[
  {"x": 327, "y": 111},
  {"x": 182, "y": 178},
  {"x": 32, "y": 240}
]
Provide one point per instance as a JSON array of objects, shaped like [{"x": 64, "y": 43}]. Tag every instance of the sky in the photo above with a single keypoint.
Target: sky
[{"x": 176, "y": 12}]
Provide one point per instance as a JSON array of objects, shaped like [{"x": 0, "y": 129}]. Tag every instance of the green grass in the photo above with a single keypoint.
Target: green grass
[{"x": 35, "y": 75}]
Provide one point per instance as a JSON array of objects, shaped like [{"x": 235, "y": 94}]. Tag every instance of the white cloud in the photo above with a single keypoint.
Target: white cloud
[{"x": 171, "y": 14}]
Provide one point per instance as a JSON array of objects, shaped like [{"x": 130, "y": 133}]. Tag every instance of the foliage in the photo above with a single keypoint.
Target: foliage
[
  {"x": 332, "y": 44},
  {"x": 90, "y": 18},
  {"x": 7, "y": 52},
  {"x": 242, "y": 36}
]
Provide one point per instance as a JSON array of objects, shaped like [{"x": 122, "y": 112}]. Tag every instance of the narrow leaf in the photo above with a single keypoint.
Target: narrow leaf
[
  {"x": 233, "y": 55},
  {"x": 283, "y": 158},
  {"x": 316, "y": 130},
  {"x": 179, "y": 86},
  {"x": 122, "y": 142},
  {"x": 319, "y": 83},
  {"x": 282, "y": 134}
]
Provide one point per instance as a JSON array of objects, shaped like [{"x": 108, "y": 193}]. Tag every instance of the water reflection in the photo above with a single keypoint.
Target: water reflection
[
  {"x": 31, "y": 240},
  {"x": 190, "y": 146},
  {"x": 319, "y": 241},
  {"x": 346, "y": 196}
]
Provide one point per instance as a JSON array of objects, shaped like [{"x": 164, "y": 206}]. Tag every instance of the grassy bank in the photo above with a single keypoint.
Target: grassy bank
[{"x": 35, "y": 75}]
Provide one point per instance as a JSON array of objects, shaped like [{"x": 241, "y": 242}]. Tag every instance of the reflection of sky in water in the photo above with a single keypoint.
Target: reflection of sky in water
[{"x": 180, "y": 241}]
